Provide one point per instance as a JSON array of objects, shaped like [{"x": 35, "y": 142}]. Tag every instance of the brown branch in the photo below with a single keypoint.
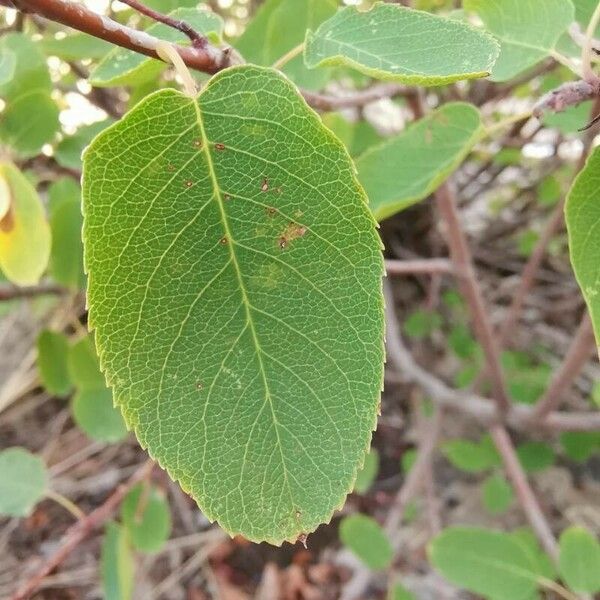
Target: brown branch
[
  {"x": 11, "y": 292},
  {"x": 329, "y": 102},
  {"x": 525, "y": 494},
  {"x": 428, "y": 266},
  {"x": 461, "y": 256},
  {"x": 578, "y": 354},
  {"x": 80, "y": 530},
  {"x": 208, "y": 59},
  {"x": 197, "y": 39}
]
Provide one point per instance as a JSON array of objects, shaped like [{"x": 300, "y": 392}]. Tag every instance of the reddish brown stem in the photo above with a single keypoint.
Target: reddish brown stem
[
  {"x": 428, "y": 266},
  {"x": 525, "y": 494},
  {"x": 13, "y": 292},
  {"x": 80, "y": 530},
  {"x": 77, "y": 16},
  {"x": 198, "y": 40},
  {"x": 578, "y": 354}
]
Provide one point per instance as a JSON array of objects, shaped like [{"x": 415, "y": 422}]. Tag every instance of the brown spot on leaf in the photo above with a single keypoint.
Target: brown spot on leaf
[
  {"x": 271, "y": 211},
  {"x": 219, "y": 147},
  {"x": 223, "y": 241},
  {"x": 170, "y": 167},
  {"x": 189, "y": 183},
  {"x": 302, "y": 539},
  {"x": 199, "y": 385},
  {"x": 292, "y": 232},
  {"x": 279, "y": 189},
  {"x": 264, "y": 185},
  {"x": 7, "y": 222},
  {"x": 197, "y": 143},
  {"x": 226, "y": 197}
]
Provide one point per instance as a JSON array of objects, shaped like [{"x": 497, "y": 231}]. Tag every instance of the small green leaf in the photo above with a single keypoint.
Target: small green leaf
[
  {"x": 408, "y": 459},
  {"x": 66, "y": 255},
  {"x": 420, "y": 323},
  {"x": 365, "y": 537},
  {"x": 469, "y": 456},
  {"x": 146, "y": 515},
  {"x": 535, "y": 456},
  {"x": 496, "y": 494},
  {"x": 75, "y": 46},
  {"x": 580, "y": 445},
  {"x": 8, "y": 62},
  {"x": 116, "y": 564},
  {"x": 92, "y": 405},
  {"x": 22, "y": 481},
  {"x": 526, "y": 379},
  {"x": 527, "y": 30},
  {"x": 28, "y": 122},
  {"x": 211, "y": 238},
  {"x": 549, "y": 191},
  {"x": 125, "y": 67},
  {"x": 579, "y": 560},
  {"x": 366, "y": 476},
  {"x": 53, "y": 351},
  {"x": 397, "y": 43},
  {"x": 582, "y": 213},
  {"x": 24, "y": 231},
  {"x": 279, "y": 26},
  {"x": 484, "y": 561},
  {"x": 68, "y": 152},
  {"x": 399, "y": 592},
  {"x": 410, "y": 166},
  {"x": 595, "y": 396}
]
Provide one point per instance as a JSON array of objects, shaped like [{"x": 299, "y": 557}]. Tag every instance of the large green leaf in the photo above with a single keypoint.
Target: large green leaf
[
  {"x": 279, "y": 26},
  {"x": 125, "y": 67},
  {"x": 401, "y": 44},
  {"x": 582, "y": 214},
  {"x": 528, "y": 30},
  {"x": 485, "y": 562},
  {"x": 410, "y": 166},
  {"x": 234, "y": 284},
  {"x": 579, "y": 560}
]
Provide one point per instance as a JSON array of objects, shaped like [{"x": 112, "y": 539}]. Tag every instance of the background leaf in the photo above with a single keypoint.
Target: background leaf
[
  {"x": 397, "y": 43},
  {"x": 116, "y": 566},
  {"x": 485, "y": 562},
  {"x": 364, "y": 536},
  {"x": 53, "y": 352},
  {"x": 497, "y": 495},
  {"x": 248, "y": 371},
  {"x": 527, "y": 30},
  {"x": 368, "y": 473},
  {"x": 410, "y": 166},
  {"x": 22, "y": 481},
  {"x": 579, "y": 560},
  {"x": 24, "y": 231}
]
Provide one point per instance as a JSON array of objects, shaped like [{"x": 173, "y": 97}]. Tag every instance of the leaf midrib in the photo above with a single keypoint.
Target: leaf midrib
[{"x": 245, "y": 300}]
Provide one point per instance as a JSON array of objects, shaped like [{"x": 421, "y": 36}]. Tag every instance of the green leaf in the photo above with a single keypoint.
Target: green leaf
[
  {"x": 92, "y": 405},
  {"x": 248, "y": 370},
  {"x": 29, "y": 122},
  {"x": 125, "y": 67},
  {"x": 535, "y": 456},
  {"x": 24, "y": 231},
  {"x": 485, "y": 562},
  {"x": 63, "y": 189},
  {"x": 469, "y": 456},
  {"x": 399, "y": 592},
  {"x": 53, "y": 351},
  {"x": 582, "y": 213},
  {"x": 116, "y": 564},
  {"x": 22, "y": 482},
  {"x": 544, "y": 566},
  {"x": 579, "y": 560},
  {"x": 66, "y": 256},
  {"x": 527, "y": 380},
  {"x": 595, "y": 395},
  {"x": 279, "y": 26},
  {"x": 365, "y": 537},
  {"x": 496, "y": 494},
  {"x": 75, "y": 46},
  {"x": 397, "y": 43},
  {"x": 357, "y": 137},
  {"x": 366, "y": 476},
  {"x": 146, "y": 515},
  {"x": 580, "y": 445},
  {"x": 30, "y": 64},
  {"x": 410, "y": 166},
  {"x": 527, "y": 30},
  {"x": 549, "y": 191},
  {"x": 68, "y": 151},
  {"x": 95, "y": 414},
  {"x": 8, "y": 62}
]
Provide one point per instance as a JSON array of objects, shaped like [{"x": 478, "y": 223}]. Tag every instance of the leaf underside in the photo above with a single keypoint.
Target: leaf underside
[{"x": 235, "y": 289}]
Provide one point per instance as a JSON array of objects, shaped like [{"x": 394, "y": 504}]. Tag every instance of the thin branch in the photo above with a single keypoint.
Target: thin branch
[
  {"x": 461, "y": 256},
  {"x": 80, "y": 530},
  {"x": 329, "y": 102},
  {"x": 523, "y": 490},
  {"x": 588, "y": 45},
  {"x": 207, "y": 59},
  {"x": 11, "y": 292},
  {"x": 197, "y": 39},
  {"x": 578, "y": 354},
  {"x": 428, "y": 266}
]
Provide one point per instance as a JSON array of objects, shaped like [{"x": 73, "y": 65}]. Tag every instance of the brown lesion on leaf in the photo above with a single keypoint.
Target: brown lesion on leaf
[
  {"x": 264, "y": 186},
  {"x": 171, "y": 167},
  {"x": 302, "y": 538},
  {"x": 197, "y": 144},
  {"x": 189, "y": 183},
  {"x": 292, "y": 232},
  {"x": 7, "y": 222},
  {"x": 271, "y": 211},
  {"x": 224, "y": 241},
  {"x": 220, "y": 147}
]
